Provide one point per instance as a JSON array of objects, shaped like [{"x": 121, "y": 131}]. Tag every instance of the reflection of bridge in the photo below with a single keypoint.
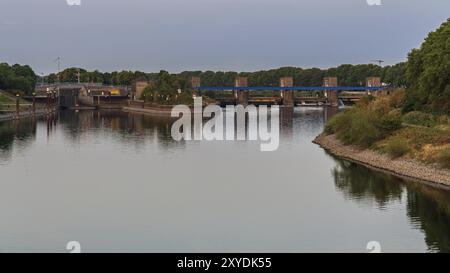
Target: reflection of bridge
[{"x": 289, "y": 95}]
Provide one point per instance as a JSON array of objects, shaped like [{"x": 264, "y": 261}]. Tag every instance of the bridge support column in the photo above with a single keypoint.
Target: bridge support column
[
  {"x": 241, "y": 95},
  {"x": 195, "y": 83},
  {"x": 373, "y": 82},
  {"x": 287, "y": 95},
  {"x": 331, "y": 95}
]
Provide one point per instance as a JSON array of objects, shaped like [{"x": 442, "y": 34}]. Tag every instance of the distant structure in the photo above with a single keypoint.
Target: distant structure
[
  {"x": 137, "y": 87},
  {"x": 331, "y": 95},
  {"x": 195, "y": 82},
  {"x": 242, "y": 96},
  {"x": 373, "y": 81}
]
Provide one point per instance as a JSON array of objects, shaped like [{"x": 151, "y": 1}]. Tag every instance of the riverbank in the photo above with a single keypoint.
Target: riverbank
[
  {"x": 26, "y": 114},
  {"x": 404, "y": 168}
]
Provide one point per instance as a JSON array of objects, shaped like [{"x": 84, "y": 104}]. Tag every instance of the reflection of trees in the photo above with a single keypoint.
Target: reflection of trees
[
  {"x": 428, "y": 208},
  {"x": 120, "y": 125},
  {"x": 361, "y": 183},
  {"x": 10, "y": 131}
]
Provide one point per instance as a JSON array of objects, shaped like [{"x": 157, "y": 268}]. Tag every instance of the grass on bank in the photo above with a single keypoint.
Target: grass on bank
[{"x": 380, "y": 125}]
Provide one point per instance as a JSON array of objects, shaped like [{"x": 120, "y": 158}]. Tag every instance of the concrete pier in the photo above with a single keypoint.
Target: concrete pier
[
  {"x": 194, "y": 83},
  {"x": 287, "y": 95},
  {"x": 241, "y": 95},
  {"x": 331, "y": 95},
  {"x": 375, "y": 82}
]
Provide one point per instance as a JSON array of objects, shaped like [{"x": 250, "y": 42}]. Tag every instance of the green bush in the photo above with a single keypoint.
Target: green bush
[
  {"x": 391, "y": 122},
  {"x": 397, "y": 147},
  {"x": 366, "y": 123},
  {"x": 420, "y": 118}
]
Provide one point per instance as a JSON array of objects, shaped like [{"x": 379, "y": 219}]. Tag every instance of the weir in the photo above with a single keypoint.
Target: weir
[{"x": 329, "y": 94}]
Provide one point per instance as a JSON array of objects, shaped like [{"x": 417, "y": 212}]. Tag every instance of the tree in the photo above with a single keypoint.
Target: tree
[
  {"x": 164, "y": 89},
  {"x": 428, "y": 73},
  {"x": 17, "y": 78}
]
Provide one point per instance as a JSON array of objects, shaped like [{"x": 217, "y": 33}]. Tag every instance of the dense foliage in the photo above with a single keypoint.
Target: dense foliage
[
  {"x": 114, "y": 78},
  {"x": 17, "y": 78},
  {"x": 166, "y": 88},
  {"x": 428, "y": 73},
  {"x": 369, "y": 121},
  {"x": 350, "y": 75},
  {"x": 379, "y": 124}
]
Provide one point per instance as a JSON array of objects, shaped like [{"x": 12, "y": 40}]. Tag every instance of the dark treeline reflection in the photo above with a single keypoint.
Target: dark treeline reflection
[
  {"x": 11, "y": 131},
  {"x": 428, "y": 208}
]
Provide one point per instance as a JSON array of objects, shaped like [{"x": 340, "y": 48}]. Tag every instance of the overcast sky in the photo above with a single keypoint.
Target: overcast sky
[{"x": 241, "y": 35}]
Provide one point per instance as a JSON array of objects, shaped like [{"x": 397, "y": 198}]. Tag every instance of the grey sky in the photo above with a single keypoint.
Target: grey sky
[{"x": 242, "y": 35}]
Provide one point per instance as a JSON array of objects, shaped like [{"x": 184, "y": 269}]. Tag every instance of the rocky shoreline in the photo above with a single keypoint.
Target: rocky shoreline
[{"x": 404, "y": 168}]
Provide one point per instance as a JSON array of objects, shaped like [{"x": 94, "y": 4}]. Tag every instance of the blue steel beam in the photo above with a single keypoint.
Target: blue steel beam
[{"x": 295, "y": 88}]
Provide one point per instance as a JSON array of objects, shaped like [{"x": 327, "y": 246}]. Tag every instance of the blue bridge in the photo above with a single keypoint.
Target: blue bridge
[{"x": 330, "y": 94}]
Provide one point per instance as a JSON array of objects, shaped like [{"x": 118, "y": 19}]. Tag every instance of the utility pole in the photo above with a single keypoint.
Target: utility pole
[
  {"x": 78, "y": 75},
  {"x": 58, "y": 60}
]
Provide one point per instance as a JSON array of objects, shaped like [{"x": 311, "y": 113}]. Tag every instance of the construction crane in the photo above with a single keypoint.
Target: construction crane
[{"x": 380, "y": 62}]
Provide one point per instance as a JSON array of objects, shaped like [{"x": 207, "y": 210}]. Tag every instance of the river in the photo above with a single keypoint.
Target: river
[{"x": 118, "y": 182}]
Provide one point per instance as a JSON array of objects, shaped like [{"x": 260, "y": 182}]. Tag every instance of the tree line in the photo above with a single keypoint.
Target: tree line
[
  {"x": 349, "y": 75},
  {"x": 428, "y": 73},
  {"x": 17, "y": 78}
]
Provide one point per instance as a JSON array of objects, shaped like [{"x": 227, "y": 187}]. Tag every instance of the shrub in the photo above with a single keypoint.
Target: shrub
[
  {"x": 397, "y": 98},
  {"x": 367, "y": 122},
  {"x": 419, "y": 118},
  {"x": 444, "y": 158},
  {"x": 397, "y": 147},
  {"x": 443, "y": 119},
  {"x": 391, "y": 122}
]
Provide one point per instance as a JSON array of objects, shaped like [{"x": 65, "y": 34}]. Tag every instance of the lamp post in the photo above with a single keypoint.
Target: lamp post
[
  {"x": 48, "y": 99},
  {"x": 54, "y": 98},
  {"x": 34, "y": 102},
  {"x": 17, "y": 105}
]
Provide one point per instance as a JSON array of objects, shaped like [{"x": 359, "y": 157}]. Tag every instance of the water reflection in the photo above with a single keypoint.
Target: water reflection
[
  {"x": 15, "y": 131},
  {"x": 136, "y": 129},
  {"x": 361, "y": 184},
  {"x": 428, "y": 208}
]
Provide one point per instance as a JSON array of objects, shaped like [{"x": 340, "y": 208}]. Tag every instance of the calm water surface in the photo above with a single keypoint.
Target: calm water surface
[{"x": 118, "y": 182}]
